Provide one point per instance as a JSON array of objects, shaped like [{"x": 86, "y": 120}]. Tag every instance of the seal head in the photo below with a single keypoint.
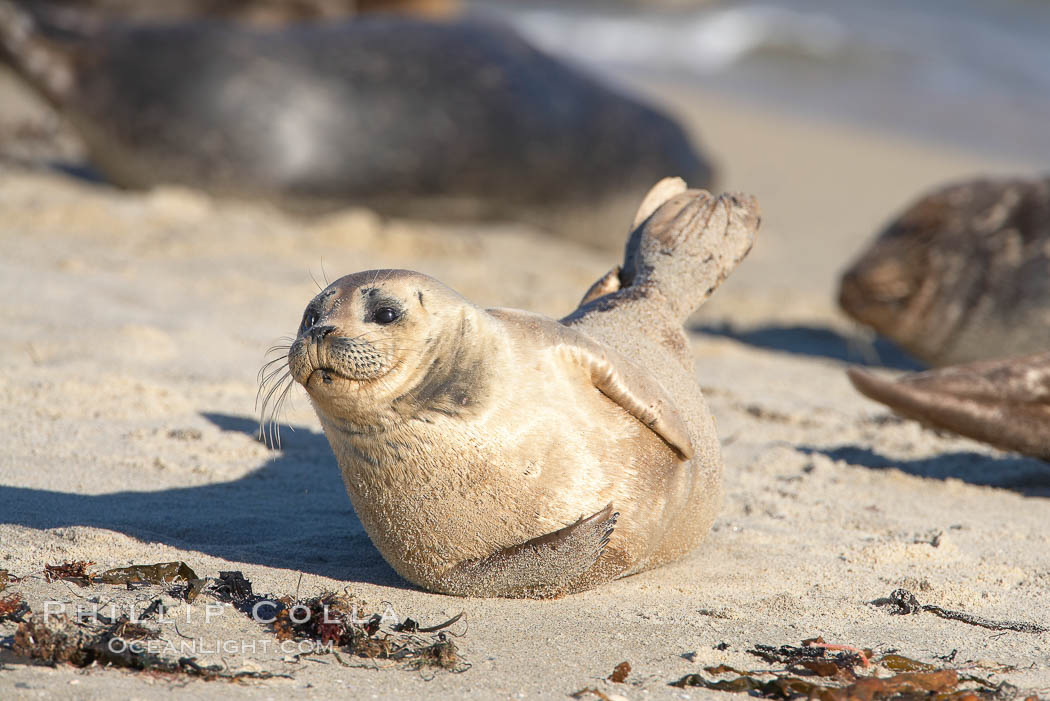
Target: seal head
[
  {"x": 961, "y": 275},
  {"x": 379, "y": 346}
]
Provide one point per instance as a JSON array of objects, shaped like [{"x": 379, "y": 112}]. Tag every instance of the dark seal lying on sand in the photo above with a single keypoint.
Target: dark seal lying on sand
[
  {"x": 962, "y": 275},
  {"x": 456, "y": 120},
  {"x": 261, "y": 12}
]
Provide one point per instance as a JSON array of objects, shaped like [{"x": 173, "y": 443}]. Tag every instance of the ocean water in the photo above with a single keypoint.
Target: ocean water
[{"x": 974, "y": 73}]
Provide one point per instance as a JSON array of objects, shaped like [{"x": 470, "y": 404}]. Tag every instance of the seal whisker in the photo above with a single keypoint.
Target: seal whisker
[
  {"x": 270, "y": 427},
  {"x": 265, "y": 369},
  {"x": 276, "y": 361},
  {"x": 272, "y": 388},
  {"x": 319, "y": 288},
  {"x": 283, "y": 355},
  {"x": 283, "y": 348},
  {"x": 266, "y": 375},
  {"x": 269, "y": 385},
  {"x": 275, "y": 417}
]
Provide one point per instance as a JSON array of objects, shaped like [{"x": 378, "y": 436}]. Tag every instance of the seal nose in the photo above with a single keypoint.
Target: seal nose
[{"x": 317, "y": 333}]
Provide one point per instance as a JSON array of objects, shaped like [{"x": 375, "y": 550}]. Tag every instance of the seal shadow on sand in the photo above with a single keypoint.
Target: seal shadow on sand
[
  {"x": 1017, "y": 473},
  {"x": 817, "y": 342},
  {"x": 292, "y": 513}
]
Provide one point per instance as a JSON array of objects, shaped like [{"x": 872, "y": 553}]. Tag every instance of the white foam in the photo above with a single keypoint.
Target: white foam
[{"x": 708, "y": 41}]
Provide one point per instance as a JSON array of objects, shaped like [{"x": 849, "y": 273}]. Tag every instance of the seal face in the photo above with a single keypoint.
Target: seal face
[
  {"x": 387, "y": 338},
  {"x": 502, "y": 453},
  {"x": 961, "y": 275},
  {"x": 449, "y": 120}
]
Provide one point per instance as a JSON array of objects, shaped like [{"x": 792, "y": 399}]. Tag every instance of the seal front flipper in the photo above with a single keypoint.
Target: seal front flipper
[
  {"x": 616, "y": 377},
  {"x": 642, "y": 397},
  {"x": 545, "y": 566},
  {"x": 1005, "y": 403}
]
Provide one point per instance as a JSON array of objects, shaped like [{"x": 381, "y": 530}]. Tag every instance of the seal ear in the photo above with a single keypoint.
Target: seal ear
[
  {"x": 1005, "y": 403},
  {"x": 616, "y": 377}
]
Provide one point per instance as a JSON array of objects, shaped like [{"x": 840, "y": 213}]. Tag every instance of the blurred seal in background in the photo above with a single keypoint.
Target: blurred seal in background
[
  {"x": 1005, "y": 403},
  {"x": 962, "y": 275},
  {"x": 441, "y": 120},
  {"x": 256, "y": 12}
]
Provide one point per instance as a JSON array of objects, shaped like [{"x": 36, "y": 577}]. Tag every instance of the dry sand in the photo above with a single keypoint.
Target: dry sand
[{"x": 133, "y": 325}]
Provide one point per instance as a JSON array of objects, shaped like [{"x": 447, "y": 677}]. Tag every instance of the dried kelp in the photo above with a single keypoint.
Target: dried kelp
[
  {"x": 811, "y": 673},
  {"x": 55, "y": 640},
  {"x": 620, "y": 672},
  {"x": 75, "y": 572},
  {"x": 333, "y": 620},
  {"x": 13, "y": 608},
  {"x": 899, "y": 687},
  {"x": 905, "y": 602},
  {"x": 899, "y": 663},
  {"x": 336, "y": 619},
  {"x": 813, "y": 657},
  {"x": 160, "y": 573},
  {"x": 234, "y": 586}
]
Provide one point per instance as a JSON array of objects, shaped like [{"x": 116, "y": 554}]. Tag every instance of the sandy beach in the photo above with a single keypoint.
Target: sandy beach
[{"x": 134, "y": 325}]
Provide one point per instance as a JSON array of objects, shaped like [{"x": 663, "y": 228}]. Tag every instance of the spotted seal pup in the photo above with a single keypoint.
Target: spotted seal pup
[{"x": 503, "y": 453}]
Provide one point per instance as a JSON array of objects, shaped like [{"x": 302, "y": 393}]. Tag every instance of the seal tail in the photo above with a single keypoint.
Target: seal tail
[
  {"x": 686, "y": 242},
  {"x": 25, "y": 45}
]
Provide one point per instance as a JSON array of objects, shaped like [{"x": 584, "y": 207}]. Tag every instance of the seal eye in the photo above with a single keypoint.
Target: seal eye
[
  {"x": 385, "y": 315},
  {"x": 309, "y": 319}
]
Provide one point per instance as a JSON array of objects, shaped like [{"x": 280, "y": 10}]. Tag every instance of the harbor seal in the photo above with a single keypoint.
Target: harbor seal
[
  {"x": 457, "y": 120},
  {"x": 502, "y": 453},
  {"x": 257, "y": 12},
  {"x": 1005, "y": 403},
  {"x": 962, "y": 275}
]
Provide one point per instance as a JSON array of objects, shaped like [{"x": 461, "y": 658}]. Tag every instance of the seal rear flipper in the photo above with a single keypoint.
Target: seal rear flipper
[
  {"x": 546, "y": 566},
  {"x": 1003, "y": 403},
  {"x": 685, "y": 243},
  {"x": 657, "y": 195},
  {"x": 607, "y": 284}
]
